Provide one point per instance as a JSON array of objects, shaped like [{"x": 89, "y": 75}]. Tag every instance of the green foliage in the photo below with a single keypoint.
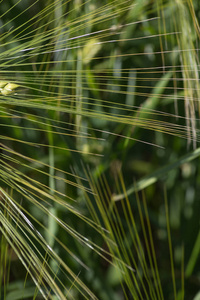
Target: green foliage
[{"x": 99, "y": 150}]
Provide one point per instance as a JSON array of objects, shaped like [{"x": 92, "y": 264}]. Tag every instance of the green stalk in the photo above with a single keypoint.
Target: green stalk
[
  {"x": 52, "y": 225},
  {"x": 193, "y": 258},
  {"x": 170, "y": 245},
  {"x": 79, "y": 95}
]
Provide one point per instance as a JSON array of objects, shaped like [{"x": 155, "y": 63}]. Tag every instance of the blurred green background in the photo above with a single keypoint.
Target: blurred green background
[{"x": 111, "y": 87}]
